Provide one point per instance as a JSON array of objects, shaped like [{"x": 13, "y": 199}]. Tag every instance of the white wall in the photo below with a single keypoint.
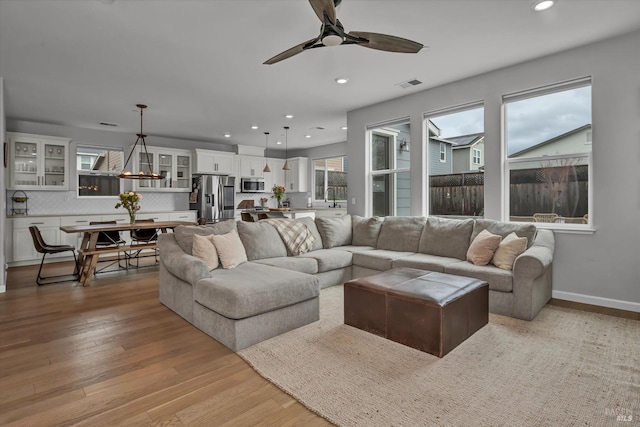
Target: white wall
[{"x": 600, "y": 268}]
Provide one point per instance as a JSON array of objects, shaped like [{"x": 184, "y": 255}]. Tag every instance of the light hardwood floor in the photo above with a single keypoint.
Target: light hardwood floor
[{"x": 111, "y": 354}]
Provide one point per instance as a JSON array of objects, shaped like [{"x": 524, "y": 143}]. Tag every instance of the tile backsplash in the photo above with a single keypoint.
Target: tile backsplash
[{"x": 67, "y": 202}]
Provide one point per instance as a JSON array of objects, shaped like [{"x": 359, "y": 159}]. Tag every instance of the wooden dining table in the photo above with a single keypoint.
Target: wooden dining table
[{"x": 88, "y": 252}]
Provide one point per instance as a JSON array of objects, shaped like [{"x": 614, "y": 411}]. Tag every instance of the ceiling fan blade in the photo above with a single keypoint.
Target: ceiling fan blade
[
  {"x": 290, "y": 52},
  {"x": 388, "y": 43},
  {"x": 321, "y": 6}
]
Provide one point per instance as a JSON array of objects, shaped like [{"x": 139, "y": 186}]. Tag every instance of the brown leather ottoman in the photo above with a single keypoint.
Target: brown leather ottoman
[{"x": 430, "y": 311}]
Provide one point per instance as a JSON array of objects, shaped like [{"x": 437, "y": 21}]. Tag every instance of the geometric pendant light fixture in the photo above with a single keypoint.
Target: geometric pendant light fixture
[
  {"x": 286, "y": 149},
  {"x": 266, "y": 161},
  {"x": 144, "y": 162}
]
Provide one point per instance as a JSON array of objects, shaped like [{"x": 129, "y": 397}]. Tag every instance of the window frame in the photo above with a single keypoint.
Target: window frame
[
  {"x": 80, "y": 171},
  {"x": 326, "y": 178},
  {"x": 474, "y": 156},
  {"x": 507, "y": 161},
  {"x": 443, "y": 152}
]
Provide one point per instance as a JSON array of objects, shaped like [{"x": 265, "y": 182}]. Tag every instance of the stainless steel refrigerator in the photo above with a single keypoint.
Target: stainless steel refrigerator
[{"x": 213, "y": 196}]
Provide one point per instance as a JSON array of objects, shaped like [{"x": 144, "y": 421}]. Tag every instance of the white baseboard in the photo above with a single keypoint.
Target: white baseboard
[{"x": 600, "y": 301}]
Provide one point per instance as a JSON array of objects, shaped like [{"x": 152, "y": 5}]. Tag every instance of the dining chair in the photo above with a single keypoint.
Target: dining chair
[
  {"x": 46, "y": 249},
  {"x": 110, "y": 238},
  {"x": 141, "y": 236}
]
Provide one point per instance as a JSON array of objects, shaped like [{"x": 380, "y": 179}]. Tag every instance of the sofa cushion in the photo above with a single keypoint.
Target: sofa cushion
[
  {"x": 261, "y": 240},
  {"x": 184, "y": 233},
  {"x": 353, "y": 248},
  {"x": 401, "y": 233},
  {"x": 230, "y": 249},
  {"x": 446, "y": 237},
  {"x": 335, "y": 231},
  {"x": 329, "y": 259},
  {"x": 311, "y": 223},
  {"x": 295, "y": 263},
  {"x": 424, "y": 262},
  {"x": 509, "y": 249},
  {"x": 253, "y": 288},
  {"x": 483, "y": 247},
  {"x": 365, "y": 230},
  {"x": 498, "y": 279},
  {"x": 205, "y": 250},
  {"x": 503, "y": 229},
  {"x": 378, "y": 259}
]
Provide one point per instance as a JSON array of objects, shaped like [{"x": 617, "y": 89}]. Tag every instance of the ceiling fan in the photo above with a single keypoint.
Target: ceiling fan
[{"x": 332, "y": 34}]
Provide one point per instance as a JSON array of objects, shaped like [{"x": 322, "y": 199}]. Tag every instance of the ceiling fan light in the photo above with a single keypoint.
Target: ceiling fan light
[{"x": 332, "y": 40}]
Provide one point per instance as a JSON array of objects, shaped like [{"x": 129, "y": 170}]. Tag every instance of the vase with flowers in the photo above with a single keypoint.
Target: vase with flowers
[
  {"x": 131, "y": 202},
  {"x": 278, "y": 194}
]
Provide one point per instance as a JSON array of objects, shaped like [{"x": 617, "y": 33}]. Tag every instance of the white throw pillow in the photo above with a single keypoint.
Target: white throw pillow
[
  {"x": 483, "y": 247},
  {"x": 230, "y": 249},
  {"x": 508, "y": 251},
  {"x": 205, "y": 250}
]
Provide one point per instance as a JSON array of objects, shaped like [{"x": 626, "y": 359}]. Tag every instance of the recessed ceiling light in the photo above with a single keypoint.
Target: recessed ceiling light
[
  {"x": 540, "y": 5},
  {"x": 279, "y": 142},
  {"x": 254, "y": 127},
  {"x": 341, "y": 80},
  {"x": 288, "y": 116},
  {"x": 307, "y": 136},
  {"x": 343, "y": 128},
  {"x": 227, "y": 135}
]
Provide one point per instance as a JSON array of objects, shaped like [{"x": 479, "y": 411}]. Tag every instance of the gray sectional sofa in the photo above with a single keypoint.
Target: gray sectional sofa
[{"x": 274, "y": 292}]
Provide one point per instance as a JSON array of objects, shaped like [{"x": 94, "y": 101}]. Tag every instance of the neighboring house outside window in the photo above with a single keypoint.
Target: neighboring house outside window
[
  {"x": 548, "y": 171},
  {"x": 390, "y": 166},
  {"x": 476, "y": 156},
  {"x": 98, "y": 170}
]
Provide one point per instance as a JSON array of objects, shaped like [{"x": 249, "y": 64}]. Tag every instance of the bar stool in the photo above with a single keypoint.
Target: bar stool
[{"x": 45, "y": 249}]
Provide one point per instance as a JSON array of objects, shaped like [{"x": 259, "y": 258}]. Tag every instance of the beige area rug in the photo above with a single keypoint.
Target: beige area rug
[{"x": 566, "y": 367}]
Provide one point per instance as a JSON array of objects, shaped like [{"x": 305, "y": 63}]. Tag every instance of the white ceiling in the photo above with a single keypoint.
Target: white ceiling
[{"x": 197, "y": 64}]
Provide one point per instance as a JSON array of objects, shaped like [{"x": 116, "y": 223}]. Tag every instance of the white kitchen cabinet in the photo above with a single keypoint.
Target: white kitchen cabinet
[
  {"x": 190, "y": 216},
  {"x": 23, "y": 247},
  {"x": 215, "y": 162},
  {"x": 330, "y": 212},
  {"x": 172, "y": 164},
  {"x": 251, "y": 166},
  {"x": 38, "y": 162},
  {"x": 276, "y": 176},
  {"x": 297, "y": 179}
]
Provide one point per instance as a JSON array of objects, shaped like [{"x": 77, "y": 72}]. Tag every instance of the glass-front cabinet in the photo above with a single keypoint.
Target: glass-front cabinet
[
  {"x": 38, "y": 162},
  {"x": 174, "y": 166}
]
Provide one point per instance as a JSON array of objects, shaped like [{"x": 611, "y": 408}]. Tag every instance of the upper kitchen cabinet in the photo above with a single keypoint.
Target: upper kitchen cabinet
[
  {"x": 173, "y": 165},
  {"x": 297, "y": 177},
  {"x": 38, "y": 162},
  {"x": 213, "y": 162}
]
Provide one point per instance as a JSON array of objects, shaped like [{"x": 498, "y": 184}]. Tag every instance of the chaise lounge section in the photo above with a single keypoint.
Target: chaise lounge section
[{"x": 275, "y": 291}]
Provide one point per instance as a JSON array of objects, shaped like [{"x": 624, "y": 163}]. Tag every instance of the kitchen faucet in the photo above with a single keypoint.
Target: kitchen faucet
[{"x": 326, "y": 193}]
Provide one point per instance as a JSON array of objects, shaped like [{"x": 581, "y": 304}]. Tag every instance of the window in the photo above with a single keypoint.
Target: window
[
  {"x": 390, "y": 176},
  {"x": 330, "y": 179},
  {"x": 454, "y": 161},
  {"x": 98, "y": 170},
  {"x": 476, "y": 156},
  {"x": 548, "y": 154}
]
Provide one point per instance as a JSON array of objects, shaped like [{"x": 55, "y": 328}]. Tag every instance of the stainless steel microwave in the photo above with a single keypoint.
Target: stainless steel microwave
[{"x": 252, "y": 185}]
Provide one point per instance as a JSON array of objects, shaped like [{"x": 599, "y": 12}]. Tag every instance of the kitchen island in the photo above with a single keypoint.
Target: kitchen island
[{"x": 294, "y": 213}]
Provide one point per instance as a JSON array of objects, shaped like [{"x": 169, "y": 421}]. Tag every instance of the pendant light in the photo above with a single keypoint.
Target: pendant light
[
  {"x": 286, "y": 149},
  {"x": 149, "y": 174},
  {"x": 266, "y": 161}
]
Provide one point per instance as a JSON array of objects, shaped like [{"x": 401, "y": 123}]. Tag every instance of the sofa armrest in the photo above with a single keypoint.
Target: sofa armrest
[
  {"x": 534, "y": 261},
  {"x": 182, "y": 265}
]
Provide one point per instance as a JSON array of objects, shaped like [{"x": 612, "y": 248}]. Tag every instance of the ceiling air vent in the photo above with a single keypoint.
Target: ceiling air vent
[
  {"x": 108, "y": 124},
  {"x": 409, "y": 83}
]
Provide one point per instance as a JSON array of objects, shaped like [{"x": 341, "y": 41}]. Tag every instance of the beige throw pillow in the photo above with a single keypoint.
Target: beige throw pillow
[
  {"x": 483, "y": 247},
  {"x": 205, "y": 250},
  {"x": 230, "y": 249},
  {"x": 508, "y": 251}
]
